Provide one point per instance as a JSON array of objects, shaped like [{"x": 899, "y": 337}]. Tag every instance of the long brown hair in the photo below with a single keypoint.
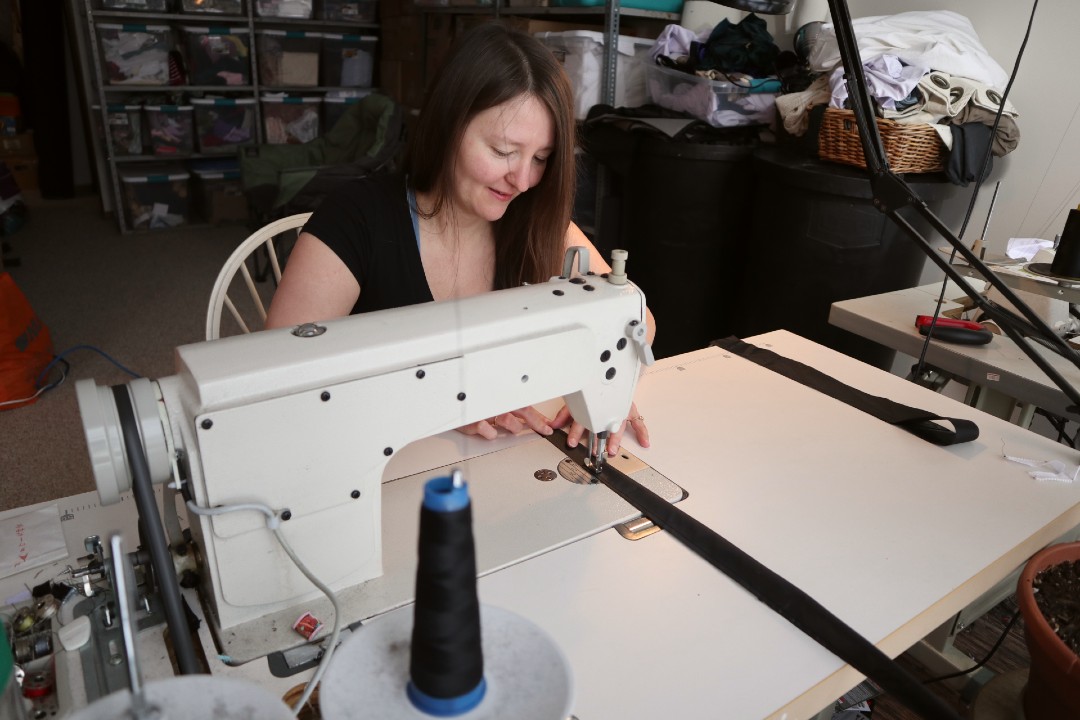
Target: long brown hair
[{"x": 489, "y": 65}]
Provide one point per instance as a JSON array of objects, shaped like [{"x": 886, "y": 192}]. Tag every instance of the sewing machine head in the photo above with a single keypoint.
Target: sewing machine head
[{"x": 304, "y": 420}]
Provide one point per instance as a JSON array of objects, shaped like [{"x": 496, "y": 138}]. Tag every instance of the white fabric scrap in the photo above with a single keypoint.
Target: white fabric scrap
[
  {"x": 938, "y": 39},
  {"x": 1027, "y": 248},
  {"x": 1050, "y": 469}
]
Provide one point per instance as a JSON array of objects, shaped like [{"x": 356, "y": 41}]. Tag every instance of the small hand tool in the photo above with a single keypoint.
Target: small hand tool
[{"x": 962, "y": 332}]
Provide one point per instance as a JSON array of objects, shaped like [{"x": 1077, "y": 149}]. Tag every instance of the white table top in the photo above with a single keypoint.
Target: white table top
[
  {"x": 890, "y": 533},
  {"x": 889, "y": 319}
]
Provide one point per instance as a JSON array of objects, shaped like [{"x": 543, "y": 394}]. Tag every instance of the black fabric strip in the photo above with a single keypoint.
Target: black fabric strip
[
  {"x": 918, "y": 422},
  {"x": 790, "y": 602}
]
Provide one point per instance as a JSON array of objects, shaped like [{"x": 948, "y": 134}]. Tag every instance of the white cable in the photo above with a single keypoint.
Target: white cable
[
  {"x": 273, "y": 522},
  {"x": 42, "y": 389}
]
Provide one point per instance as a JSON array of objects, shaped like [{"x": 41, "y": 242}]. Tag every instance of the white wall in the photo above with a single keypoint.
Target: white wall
[{"x": 1041, "y": 178}]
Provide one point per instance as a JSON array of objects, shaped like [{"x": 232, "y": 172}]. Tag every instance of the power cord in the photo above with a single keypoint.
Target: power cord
[
  {"x": 980, "y": 663},
  {"x": 72, "y": 349},
  {"x": 273, "y": 522},
  {"x": 43, "y": 388}
]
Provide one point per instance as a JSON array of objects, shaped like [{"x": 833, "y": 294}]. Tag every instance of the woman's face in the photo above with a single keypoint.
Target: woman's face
[{"x": 503, "y": 153}]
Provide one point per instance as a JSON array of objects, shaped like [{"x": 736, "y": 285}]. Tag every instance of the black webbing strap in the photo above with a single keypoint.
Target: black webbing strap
[
  {"x": 918, "y": 422},
  {"x": 791, "y": 603}
]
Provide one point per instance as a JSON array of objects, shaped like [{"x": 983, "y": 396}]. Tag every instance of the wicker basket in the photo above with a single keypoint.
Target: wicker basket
[{"x": 910, "y": 147}]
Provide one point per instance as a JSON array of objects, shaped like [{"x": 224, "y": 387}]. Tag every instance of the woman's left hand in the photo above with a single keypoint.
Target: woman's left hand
[{"x": 635, "y": 421}]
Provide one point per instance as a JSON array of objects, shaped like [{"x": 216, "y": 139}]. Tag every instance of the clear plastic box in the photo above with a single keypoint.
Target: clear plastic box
[
  {"x": 145, "y": 5},
  {"x": 288, "y": 58},
  {"x": 224, "y": 124},
  {"x": 221, "y": 7},
  {"x": 125, "y": 127},
  {"x": 290, "y": 120},
  {"x": 284, "y": 8},
  {"x": 582, "y": 54},
  {"x": 335, "y": 107},
  {"x": 218, "y": 55},
  {"x": 135, "y": 54},
  {"x": 720, "y": 104},
  {"x": 155, "y": 197},
  {"x": 218, "y": 191},
  {"x": 360, "y": 11},
  {"x": 348, "y": 60},
  {"x": 171, "y": 128}
]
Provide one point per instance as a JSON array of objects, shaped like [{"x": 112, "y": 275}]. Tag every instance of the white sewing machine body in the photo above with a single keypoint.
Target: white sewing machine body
[{"x": 306, "y": 422}]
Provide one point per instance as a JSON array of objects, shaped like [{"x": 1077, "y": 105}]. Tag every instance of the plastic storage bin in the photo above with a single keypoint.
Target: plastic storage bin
[
  {"x": 135, "y": 54},
  {"x": 582, "y": 55},
  {"x": 125, "y": 128},
  {"x": 218, "y": 55},
  {"x": 334, "y": 107},
  {"x": 218, "y": 192},
  {"x": 284, "y": 8},
  {"x": 288, "y": 58},
  {"x": 155, "y": 197},
  {"x": 348, "y": 60},
  {"x": 146, "y": 5},
  {"x": 171, "y": 128},
  {"x": 224, "y": 124},
  {"x": 361, "y": 11},
  {"x": 672, "y": 6},
  {"x": 290, "y": 120},
  {"x": 223, "y": 7},
  {"x": 721, "y": 104}
]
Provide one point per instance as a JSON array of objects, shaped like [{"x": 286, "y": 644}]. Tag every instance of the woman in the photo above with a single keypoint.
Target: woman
[{"x": 484, "y": 204}]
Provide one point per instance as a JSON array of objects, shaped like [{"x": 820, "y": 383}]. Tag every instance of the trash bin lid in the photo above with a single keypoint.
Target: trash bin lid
[{"x": 785, "y": 167}]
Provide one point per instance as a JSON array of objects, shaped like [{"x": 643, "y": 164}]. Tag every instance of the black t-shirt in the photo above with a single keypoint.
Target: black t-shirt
[{"x": 367, "y": 223}]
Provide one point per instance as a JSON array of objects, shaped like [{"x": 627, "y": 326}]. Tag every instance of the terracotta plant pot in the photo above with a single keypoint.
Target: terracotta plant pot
[{"x": 1053, "y": 689}]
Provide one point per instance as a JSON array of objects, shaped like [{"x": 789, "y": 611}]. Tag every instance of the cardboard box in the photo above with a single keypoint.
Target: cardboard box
[
  {"x": 20, "y": 145},
  {"x": 25, "y": 171}
]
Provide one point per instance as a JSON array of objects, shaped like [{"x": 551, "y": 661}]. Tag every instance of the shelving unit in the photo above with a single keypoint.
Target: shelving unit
[{"x": 102, "y": 93}]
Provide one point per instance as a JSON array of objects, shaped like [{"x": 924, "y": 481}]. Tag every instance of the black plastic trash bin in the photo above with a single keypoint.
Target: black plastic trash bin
[
  {"x": 684, "y": 210},
  {"x": 817, "y": 239}
]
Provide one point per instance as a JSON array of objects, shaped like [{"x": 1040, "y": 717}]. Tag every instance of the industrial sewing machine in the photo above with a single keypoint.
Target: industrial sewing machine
[{"x": 304, "y": 421}]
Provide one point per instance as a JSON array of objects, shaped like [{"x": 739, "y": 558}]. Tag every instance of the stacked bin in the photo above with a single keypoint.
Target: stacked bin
[
  {"x": 284, "y": 8},
  {"x": 145, "y": 5},
  {"x": 336, "y": 106},
  {"x": 224, "y": 124},
  {"x": 135, "y": 54},
  {"x": 124, "y": 124},
  {"x": 155, "y": 197},
  {"x": 348, "y": 60},
  {"x": 223, "y": 7},
  {"x": 218, "y": 55},
  {"x": 290, "y": 120},
  {"x": 218, "y": 193},
  {"x": 171, "y": 129},
  {"x": 288, "y": 59},
  {"x": 359, "y": 11}
]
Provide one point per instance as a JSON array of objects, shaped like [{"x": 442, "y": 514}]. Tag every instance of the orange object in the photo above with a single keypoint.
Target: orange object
[{"x": 25, "y": 346}]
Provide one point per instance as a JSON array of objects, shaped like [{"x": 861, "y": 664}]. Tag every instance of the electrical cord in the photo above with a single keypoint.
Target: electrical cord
[
  {"x": 273, "y": 522},
  {"x": 73, "y": 348},
  {"x": 44, "y": 388},
  {"x": 980, "y": 663},
  {"x": 978, "y": 185}
]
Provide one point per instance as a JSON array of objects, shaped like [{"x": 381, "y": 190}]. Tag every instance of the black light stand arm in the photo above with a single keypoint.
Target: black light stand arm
[{"x": 891, "y": 193}]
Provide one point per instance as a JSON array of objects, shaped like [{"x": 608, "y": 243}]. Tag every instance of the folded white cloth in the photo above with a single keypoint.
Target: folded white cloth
[
  {"x": 888, "y": 80},
  {"x": 936, "y": 39},
  {"x": 1049, "y": 469}
]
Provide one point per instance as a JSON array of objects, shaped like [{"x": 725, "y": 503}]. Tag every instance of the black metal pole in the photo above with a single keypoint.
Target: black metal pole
[{"x": 160, "y": 558}]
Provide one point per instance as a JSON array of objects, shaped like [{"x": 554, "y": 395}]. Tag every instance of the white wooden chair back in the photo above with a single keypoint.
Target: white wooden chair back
[{"x": 250, "y": 312}]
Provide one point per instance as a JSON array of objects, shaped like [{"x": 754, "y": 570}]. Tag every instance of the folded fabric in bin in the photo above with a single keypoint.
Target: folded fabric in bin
[{"x": 224, "y": 123}]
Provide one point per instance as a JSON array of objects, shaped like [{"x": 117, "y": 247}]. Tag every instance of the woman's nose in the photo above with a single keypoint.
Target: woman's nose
[{"x": 518, "y": 175}]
